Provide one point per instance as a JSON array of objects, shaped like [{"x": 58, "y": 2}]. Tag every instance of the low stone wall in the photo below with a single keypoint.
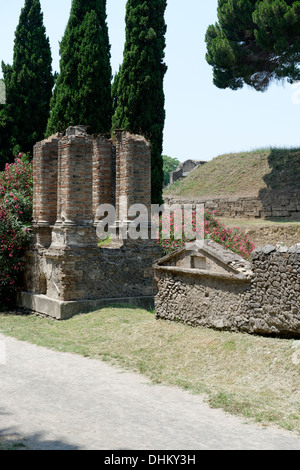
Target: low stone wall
[
  {"x": 272, "y": 304},
  {"x": 266, "y": 302},
  {"x": 267, "y": 204}
]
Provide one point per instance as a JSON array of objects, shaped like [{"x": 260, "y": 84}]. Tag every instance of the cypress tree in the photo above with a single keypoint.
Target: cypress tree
[
  {"x": 4, "y": 129},
  {"x": 114, "y": 90},
  {"x": 29, "y": 81},
  {"x": 82, "y": 93},
  {"x": 139, "y": 98}
]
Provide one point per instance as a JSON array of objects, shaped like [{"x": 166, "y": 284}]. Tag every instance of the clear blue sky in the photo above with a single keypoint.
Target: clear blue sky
[{"x": 202, "y": 121}]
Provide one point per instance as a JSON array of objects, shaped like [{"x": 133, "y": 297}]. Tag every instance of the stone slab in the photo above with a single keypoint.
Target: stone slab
[{"x": 65, "y": 310}]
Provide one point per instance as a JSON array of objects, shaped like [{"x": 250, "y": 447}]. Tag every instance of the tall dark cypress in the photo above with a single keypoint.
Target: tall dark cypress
[
  {"x": 139, "y": 98},
  {"x": 29, "y": 81},
  {"x": 82, "y": 94},
  {"x": 6, "y": 154}
]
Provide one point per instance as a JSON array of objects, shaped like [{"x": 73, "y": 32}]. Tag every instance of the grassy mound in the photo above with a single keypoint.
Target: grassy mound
[{"x": 242, "y": 174}]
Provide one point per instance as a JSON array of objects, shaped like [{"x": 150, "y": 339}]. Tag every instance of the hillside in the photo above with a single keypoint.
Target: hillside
[{"x": 242, "y": 174}]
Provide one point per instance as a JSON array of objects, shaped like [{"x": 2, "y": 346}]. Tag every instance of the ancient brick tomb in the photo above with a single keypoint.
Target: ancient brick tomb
[{"x": 67, "y": 272}]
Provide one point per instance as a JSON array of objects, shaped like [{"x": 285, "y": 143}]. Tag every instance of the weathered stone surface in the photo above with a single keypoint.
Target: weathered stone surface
[
  {"x": 89, "y": 273},
  {"x": 266, "y": 301},
  {"x": 267, "y": 249},
  {"x": 64, "y": 310},
  {"x": 273, "y": 203}
]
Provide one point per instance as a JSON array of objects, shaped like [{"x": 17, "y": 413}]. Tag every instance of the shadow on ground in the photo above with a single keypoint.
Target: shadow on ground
[{"x": 10, "y": 439}]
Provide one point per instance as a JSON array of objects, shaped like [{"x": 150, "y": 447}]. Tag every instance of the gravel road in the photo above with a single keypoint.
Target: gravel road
[{"x": 59, "y": 401}]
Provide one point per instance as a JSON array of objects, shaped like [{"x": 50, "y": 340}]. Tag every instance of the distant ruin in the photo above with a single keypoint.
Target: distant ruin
[{"x": 184, "y": 169}]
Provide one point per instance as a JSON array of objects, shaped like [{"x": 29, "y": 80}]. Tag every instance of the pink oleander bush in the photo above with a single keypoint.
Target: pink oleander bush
[
  {"x": 16, "y": 187},
  {"x": 231, "y": 239}
]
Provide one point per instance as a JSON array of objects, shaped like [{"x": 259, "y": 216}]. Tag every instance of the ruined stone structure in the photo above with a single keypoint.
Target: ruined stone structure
[
  {"x": 66, "y": 271},
  {"x": 184, "y": 169},
  {"x": 206, "y": 285}
]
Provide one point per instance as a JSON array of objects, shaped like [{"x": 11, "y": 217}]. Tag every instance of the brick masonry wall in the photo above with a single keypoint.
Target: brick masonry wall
[
  {"x": 93, "y": 273},
  {"x": 73, "y": 175},
  {"x": 267, "y": 303},
  {"x": 133, "y": 172},
  {"x": 75, "y": 179},
  {"x": 103, "y": 173},
  {"x": 45, "y": 171}
]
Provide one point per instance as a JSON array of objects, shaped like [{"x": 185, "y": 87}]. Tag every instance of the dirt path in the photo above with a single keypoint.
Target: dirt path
[{"x": 59, "y": 401}]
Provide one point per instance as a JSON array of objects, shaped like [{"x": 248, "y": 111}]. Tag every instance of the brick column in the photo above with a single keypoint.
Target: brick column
[
  {"x": 102, "y": 173},
  {"x": 124, "y": 175},
  {"x": 45, "y": 176},
  {"x": 133, "y": 172},
  {"x": 74, "y": 224},
  {"x": 141, "y": 156},
  {"x": 45, "y": 182},
  {"x": 75, "y": 178}
]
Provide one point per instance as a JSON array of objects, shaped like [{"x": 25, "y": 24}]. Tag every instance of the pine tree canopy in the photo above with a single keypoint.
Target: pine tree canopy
[
  {"x": 254, "y": 43},
  {"x": 82, "y": 95},
  {"x": 138, "y": 90},
  {"x": 29, "y": 81}
]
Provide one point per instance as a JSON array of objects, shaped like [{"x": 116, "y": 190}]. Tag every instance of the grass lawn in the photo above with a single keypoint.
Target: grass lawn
[{"x": 250, "y": 376}]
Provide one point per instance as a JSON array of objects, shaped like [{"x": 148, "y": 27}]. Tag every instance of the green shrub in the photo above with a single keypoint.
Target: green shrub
[
  {"x": 15, "y": 217},
  {"x": 231, "y": 239}
]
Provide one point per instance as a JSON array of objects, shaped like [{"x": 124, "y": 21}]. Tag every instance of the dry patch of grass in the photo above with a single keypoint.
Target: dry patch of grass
[{"x": 250, "y": 376}]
